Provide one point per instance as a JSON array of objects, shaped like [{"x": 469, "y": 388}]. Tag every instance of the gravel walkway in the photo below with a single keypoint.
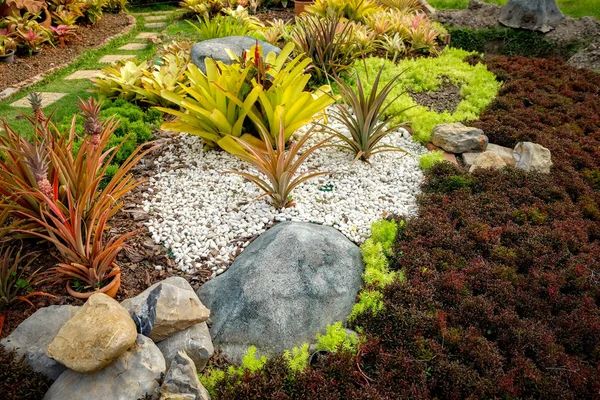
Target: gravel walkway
[{"x": 205, "y": 216}]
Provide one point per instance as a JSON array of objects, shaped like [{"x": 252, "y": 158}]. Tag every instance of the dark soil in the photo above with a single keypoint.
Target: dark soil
[
  {"x": 88, "y": 37},
  {"x": 446, "y": 98}
]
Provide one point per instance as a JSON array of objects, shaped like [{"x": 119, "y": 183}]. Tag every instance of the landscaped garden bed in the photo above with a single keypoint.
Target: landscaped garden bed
[{"x": 234, "y": 203}]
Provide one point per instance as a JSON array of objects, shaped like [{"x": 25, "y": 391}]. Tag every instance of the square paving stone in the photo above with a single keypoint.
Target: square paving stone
[
  {"x": 134, "y": 46},
  {"x": 155, "y": 25},
  {"x": 155, "y": 18},
  {"x": 47, "y": 99},
  {"x": 147, "y": 35},
  {"x": 84, "y": 74},
  {"x": 113, "y": 58}
]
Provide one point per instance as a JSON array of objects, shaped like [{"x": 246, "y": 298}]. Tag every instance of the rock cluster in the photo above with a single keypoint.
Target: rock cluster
[
  {"x": 106, "y": 350},
  {"x": 476, "y": 152}
]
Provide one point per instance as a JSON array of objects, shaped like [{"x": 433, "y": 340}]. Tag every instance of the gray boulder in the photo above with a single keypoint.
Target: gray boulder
[
  {"x": 33, "y": 335},
  {"x": 215, "y": 48},
  {"x": 532, "y": 157},
  {"x": 535, "y": 15},
  {"x": 182, "y": 382},
  {"x": 133, "y": 375},
  {"x": 195, "y": 341},
  {"x": 457, "y": 138},
  {"x": 283, "y": 289},
  {"x": 165, "y": 308}
]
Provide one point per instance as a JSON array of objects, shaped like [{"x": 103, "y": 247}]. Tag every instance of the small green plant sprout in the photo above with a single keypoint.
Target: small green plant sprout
[
  {"x": 251, "y": 362},
  {"x": 428, "y": 160},
  {"x": 363, "y": 115},
  {"x": 337, "y": 338},
  {"x": 369, "y": 301},
  {"x": 297, "y": 358}
]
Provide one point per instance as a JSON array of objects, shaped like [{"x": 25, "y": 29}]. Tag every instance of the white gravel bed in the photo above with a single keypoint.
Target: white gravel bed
[{"x": 205, "y": 216}]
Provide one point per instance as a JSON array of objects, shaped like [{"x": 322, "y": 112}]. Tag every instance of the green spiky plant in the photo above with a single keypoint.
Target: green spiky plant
[{"x": 362, "y": 114}]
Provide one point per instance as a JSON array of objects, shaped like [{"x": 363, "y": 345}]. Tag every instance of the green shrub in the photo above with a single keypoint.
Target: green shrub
[
  {"x": 336, "y": 339},
  {"x": 428, "y": 160},
  {"x": 478, "y": 87}
]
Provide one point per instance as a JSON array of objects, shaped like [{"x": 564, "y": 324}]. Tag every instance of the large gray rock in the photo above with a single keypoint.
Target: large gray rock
[
  {"x": 215, "y": 48},
  {"x": 181, "y": 382},
  {"x": 535, "y": 15},
  {"x": 195, "y": 341},
  {"x": 532, "y": 157},
  {"x": 457, "y": 138},
  {"x": 283, "y": 289},
  {"x": 33, "y": 335},
  {"x": 165, "y": 308},
  {"x": 135, "y": 374}
]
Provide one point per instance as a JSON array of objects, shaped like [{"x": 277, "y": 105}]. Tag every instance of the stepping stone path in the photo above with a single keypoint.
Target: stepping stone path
[
  {"x": 133, "y": 46},
  {"x": 47, "y": 99},
  {"x": 151, "y": 18},
  {"x": 84, "y": 74},
  {"x": 113, "y": 58},
  {"x": 152, "y": 25},
  {"x": 147, "y": 35}
]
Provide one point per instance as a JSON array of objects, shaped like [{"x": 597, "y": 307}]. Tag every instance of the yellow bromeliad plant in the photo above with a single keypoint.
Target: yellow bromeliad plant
[{"x": 254, "y": 94}]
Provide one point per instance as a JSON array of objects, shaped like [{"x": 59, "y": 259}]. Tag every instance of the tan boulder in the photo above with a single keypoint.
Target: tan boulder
[
  {"x": 98, "y": 333},
  {"x": 165, "y": 308},
  {"x": 488, "y": 159},
  {"x": 504, "y": 152}
]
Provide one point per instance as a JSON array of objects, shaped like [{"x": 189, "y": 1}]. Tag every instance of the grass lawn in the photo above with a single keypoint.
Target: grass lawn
[
  {"x": 67, "y": 106},
  {"x": 572, "y": 8}
]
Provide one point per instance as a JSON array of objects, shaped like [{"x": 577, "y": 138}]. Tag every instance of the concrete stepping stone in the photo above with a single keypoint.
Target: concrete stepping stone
[
  {"x": 152, "y": 25},
  {"x": 147, "y": 35},
  {"x": 151, "y": 18},
  {"x": 113, "y": 58},
  {"x": 84, "y": 74},
  {"x": 47, "y": 99},
  {"x": 133, "y": 46}
]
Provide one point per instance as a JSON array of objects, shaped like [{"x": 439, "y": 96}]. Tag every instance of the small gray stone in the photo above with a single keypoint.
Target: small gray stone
[
  {"x": 33, "y": 335},
  {"x": 195, "y": 341},
  {"x": 283, "y": 289},
  {"x": 457, "y": 138},
  {"x": 181, "y": 381},
  {"x": 488, "y": 159},
  {"x": 215, "y": 48},
  {"x": 469, "y": 158},
  {"x": 133, "y": 375},
  {"x": 532, "y": 157},
  {"x": 504, "y": 152}
]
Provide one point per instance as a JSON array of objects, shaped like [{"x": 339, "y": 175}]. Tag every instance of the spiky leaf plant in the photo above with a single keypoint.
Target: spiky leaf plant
[
  {"x": 279, "y": 165},
  {"x": 362, "y": 114}
]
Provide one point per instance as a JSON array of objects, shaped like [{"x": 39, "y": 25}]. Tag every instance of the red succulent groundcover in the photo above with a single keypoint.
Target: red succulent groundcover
[{"x": 502, "y": 290}]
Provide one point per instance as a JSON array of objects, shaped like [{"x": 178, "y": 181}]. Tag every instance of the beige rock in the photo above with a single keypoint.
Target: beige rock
[
  {"x": 504, "y": 152},
  {"x": 458, "y": 138},
  {"x": 98, "y": 333},
  {"x": 165, "y": 308},
  {"x": 488, "y": 159},
  {"x": 532, "y": 157}
]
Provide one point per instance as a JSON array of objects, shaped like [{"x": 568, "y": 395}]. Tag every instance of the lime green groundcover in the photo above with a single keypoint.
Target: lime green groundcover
[{"x": 478, "y": 87}]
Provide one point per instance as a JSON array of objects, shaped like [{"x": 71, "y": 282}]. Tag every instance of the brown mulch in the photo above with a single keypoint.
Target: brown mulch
[
  {"x": 25, "y": 67},
  {"x": 446, "y": 98},
  {"x": 269, "y": 15}
]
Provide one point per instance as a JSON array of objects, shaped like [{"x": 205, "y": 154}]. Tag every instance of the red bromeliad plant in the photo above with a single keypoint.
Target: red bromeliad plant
[
  {"x": 279, "y": 165},
  {"x": 56, "y": 192}
]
